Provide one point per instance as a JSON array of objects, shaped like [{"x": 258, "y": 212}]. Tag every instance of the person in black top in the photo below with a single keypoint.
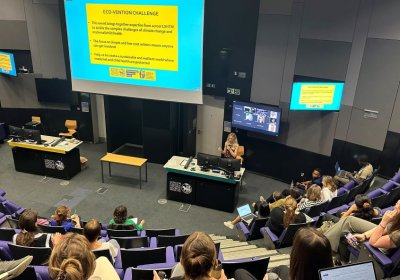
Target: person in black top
[
  {"x": 316, "y": 178},
  {"x": 281, "y": 217}
]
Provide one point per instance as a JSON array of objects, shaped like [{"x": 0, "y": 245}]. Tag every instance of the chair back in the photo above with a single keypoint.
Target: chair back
[
  {"x": 157, "y": 232},
  {"x": 349, "y": 185},
  {"x": 336, "y": 202},
  {"x": 77, "y": 230},
  {"x": 13, "y": 223},
  {"x": 132, "y": 242},
  {"x": 180, "y": 247},
  {"x": 353, "y": 192},
  {"x": 40, "y": 254},
  {"x": 287, "y": 236},
  {"x": 240, "y": 151},
  {"x": 257, "y": 267},
  {"x": 379, "y": 200},
  {"x": 52, "y": 229},
  {"x": 71, "y": 124},
  {"x": 28, "y": 274},
  {"x": 389, "y": 185},
  {"x": 316, "y": 210},
  {"x": 392, "y": 198},
  {"x": 133, "y": 258},
  {"x": 122, "y": 233},
  {"x": 255, "y": 228},
  {"x": 36, "y": 119},
  {"x": 167, "y": 240},
  {"x": 103, "y": 253},
  {"x": 146, "y": 274},
  {"x": 7, "y": 234}
]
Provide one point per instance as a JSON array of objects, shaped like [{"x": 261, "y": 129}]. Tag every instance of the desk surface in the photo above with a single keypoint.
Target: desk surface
[
  {"x": 62, "y": 147},
  {"x": 176, "y": 164},
  {"x": 114, "y": 158}
]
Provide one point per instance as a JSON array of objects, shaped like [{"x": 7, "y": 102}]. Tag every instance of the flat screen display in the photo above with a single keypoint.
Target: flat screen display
[
  {"x": 316, "y": 96},
  {"x": 256, "y": 117},
  {"x": 7, "y": 64}
]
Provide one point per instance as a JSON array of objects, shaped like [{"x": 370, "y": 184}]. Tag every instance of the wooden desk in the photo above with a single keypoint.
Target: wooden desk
[
  {"x": 62, "y": 147},
  {"x": 124, "y": 160}
]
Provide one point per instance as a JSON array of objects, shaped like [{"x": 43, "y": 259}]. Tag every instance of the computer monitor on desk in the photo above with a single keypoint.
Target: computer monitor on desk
[
  {"x": 230, "y": 165},
  {"x": 32, "y": 135},
  {"x": 15, "y": 132},
  {"x": 207, "y": 161}
]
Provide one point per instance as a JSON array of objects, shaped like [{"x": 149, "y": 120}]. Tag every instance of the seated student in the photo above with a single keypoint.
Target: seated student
[
  {"x": 313, "y": 198},
  {"x": 316, "y": 179},
  {"x": 121, "y": 220},
  {"x": 266, "y": 208},
  {"x": 281, "y": 217},
  {"x": 365, "y": 171},
  {"x": 310, "y": 252},
  {"x": 231, "y": 146},
  {"x": 61, "y": 217},
  {"x": 92, "y": 231},
  {"x": 386, "y": 235},
  {"x": 198, "y": 259},
  {"x": 30, "y": 234},
  {"x": 73, "y": 259},
  {"x": 329, "y": 189}
]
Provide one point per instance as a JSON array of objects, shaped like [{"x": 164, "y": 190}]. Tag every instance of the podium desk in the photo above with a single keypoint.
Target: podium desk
[
  {"x": 203, "y": 188},
  {"x": 61, "y": 161}
]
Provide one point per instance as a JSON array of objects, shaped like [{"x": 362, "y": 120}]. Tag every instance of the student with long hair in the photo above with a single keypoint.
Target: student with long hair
[
  {"x": 329, "y": 189},
  {"x": 281, "y": 217},
  {"x": 311, "y": 252},
  {"x": 313, "y": 198},
  {"x": 72, "y": 259},
  {"x": 62, "y": 217},
  {"x": 120, "y": 220},
  {"x": 231, "y": 146},
  {"x": 362, "y": 208}
]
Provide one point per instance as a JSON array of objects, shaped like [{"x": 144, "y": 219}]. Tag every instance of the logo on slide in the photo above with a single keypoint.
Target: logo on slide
[{"x": 186, "y": 188}]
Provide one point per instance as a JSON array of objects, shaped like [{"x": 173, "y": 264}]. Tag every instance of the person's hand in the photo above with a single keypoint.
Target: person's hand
[
  {"x": 75, "y": 218},
  {"x": 142, "y": 222},
  {"x": 388, "y": 217},
  {"x": 155, "y": 275},
  {"x": 57, "y": 238},
  {"x": 360, "y": 237},
  {"x": 265, "y": 276},
  {"x": 220, "y": 149}
]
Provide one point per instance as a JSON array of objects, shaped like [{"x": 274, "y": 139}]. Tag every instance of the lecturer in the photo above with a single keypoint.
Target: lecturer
[{"x": 231, "y": 146}]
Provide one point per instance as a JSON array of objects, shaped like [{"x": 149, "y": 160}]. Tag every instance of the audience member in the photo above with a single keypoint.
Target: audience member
[
  {"x": 281, "y": 217},
  {"x": 263, "y": 211},
  {"x": 72, "y": 259},
  {"x": 316, "y": 179},
  {"x": 198, "y": 259},
  {"x": 365, "y": 172},
  {"x": 92, "y": 231},
  {"x": 121, "y": 220},
  {"x": 61, "y": 217},
  {"x": 313, "y": 198},
  {"x": 30, "y": 234},
  {"x": 231, "y": 146},
  {"x": 311, "y": 252},
  {"x": 329, "y": 189}
]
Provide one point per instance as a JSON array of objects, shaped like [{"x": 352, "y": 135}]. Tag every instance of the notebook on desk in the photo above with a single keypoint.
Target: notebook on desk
[
  {"x": 245, "y": 213},
  {"x": 357, "y": 271}
]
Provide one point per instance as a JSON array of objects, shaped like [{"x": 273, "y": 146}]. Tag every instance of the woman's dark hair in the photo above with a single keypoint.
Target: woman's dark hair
[
  {"x": 27, "y": 224},
  {"x": 365, "y": 210},
  {"x": 311, "y": 251},
  {"x": 120, "y": 214},
  {"x": 198, "y": 255},
  {"x": 92, "y": 230}
]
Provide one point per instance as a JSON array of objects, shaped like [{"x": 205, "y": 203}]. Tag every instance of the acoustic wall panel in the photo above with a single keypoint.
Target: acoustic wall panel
[
  {"x": 14, "y": 34},
  {"x": 394, "y": 124},
  {"x": 343, "y": 122},
  {"x": 269, "y": 59},
  {"x": 276, "y": 7},
  {"x": 385, "y": 21},
  {"x": 329, "y": 20},
  {"x": 12, "y": 10}
]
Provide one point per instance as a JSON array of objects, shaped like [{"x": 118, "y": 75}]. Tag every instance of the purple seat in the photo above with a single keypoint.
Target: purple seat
[
  {"x": 144, "y": 256},
  {"x": 396, "y": 177},
  {"x": 388, "y": 263},
  {"x": 10, "y": 208},
  {"x": 156, "y": 232},
  {"x": 256, "y": 266},
  {"x": 348, "y": 186},
  {"x": 43, "y": 272},
  {"x": 2, "y": 192},
  {"x": 389, "y": 185},
  {"x": 286, "y": 237},
  {"x": 338, "y": 209},
  {"x": 252, "y": 233},
  {"x": 336, "y": 201},
  {"x": 136, "y": 273},
  {"x": 5, "y": 252}
]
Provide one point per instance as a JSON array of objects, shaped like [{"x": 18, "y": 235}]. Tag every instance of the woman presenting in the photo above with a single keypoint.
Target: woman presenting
[{"x": 231, "y": 146}]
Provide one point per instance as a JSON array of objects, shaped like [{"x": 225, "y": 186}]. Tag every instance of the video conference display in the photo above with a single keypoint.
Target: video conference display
[
  {"x": 256, "y": 117},
  {"x": 7, "y": 64},
  {"x": 148, "y": 49},
  {"x": 316, "y": 96}
]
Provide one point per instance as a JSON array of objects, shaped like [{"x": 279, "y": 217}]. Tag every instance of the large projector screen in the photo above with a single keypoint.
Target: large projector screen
[{"x": 149, "y": 49}]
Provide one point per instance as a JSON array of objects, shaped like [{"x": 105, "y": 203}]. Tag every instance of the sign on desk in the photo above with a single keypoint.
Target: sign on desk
[{"x": 179, "y": 187}]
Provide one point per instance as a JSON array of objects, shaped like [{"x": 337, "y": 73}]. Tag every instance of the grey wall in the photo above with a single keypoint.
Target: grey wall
[{"x": 356, "y": 41}]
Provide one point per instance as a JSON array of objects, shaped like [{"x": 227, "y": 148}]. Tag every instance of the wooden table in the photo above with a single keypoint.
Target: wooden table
[{"x": 124, "y": 160}]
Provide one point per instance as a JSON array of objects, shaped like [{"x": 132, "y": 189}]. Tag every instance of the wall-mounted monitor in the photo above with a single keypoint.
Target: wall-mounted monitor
[
  {"x": 316, "y": 96},
  {"x": 256, "y": 117},
  {"x": 7, "y": 64}
]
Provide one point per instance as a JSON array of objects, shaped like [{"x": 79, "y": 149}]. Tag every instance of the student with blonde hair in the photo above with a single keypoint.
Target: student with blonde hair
[
  {"x": 313, "y": 198},
  {"x": 329, "y": 189},
  {"x": 231, "y": 146}
]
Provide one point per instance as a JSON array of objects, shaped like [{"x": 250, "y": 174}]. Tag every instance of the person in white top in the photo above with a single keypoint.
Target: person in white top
[
  {"x": 329, "y": 189},
  {"x": 72, "y": 258}
]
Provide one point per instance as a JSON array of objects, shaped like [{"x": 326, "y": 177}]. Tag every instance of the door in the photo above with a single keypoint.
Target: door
[{"x": 210, "y": 118}]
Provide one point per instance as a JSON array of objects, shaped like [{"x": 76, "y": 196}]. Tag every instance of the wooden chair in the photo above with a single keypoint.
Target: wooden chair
[
  {"x": 72, "y": 126},
  {"x": 240, "y": 153}
]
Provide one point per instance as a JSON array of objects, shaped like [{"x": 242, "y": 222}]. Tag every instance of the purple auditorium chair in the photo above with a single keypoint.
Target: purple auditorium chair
[
  {"x": 256, "y": 266},
  {"x": 338, "y": 209},
  {"x": 157, "y": 232},
  {"x": 11, "y": 208},
  {"x": 40, "y": 254},
  {"x": 13, "y": 223},
  {"x": 132, "y": 242},
  {"x": 336, "y": 202},
  {"x": 30, "y": 273},
  {"x": 349, "y": 185},
  {"x": 315, "y": 211},
  {"x": 52, "y": 229},
  {"x": 286, "y": 237},
  {"x": 138, "y": 273},
  {"x": 2, "y": 192},
  {"x": 122, "y": 233},
  {"x": 353, "y": 192},
  {"x": 392, "y": 197},
  {"x": 396, "y": 178},
  {"x": 389, "y": 264},
  {"x": 7, "y": 234},
  {"x": 168, "y": 240},
  {"x": 252, "y": 233},
  {"x": 3, "y": 218},
  {"x": 163, "y": 257}
]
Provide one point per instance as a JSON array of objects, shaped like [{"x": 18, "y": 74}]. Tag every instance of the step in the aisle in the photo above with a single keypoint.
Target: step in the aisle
[
  {"x": 241, "y": 248},
  {"x": 245, "y": 254}
]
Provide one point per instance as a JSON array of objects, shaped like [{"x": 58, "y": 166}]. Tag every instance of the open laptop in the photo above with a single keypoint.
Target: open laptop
[
  {"x": 357, "y": 271},
  {"x": 339, "y": 172},
  {"x": 245, "y": 213}
]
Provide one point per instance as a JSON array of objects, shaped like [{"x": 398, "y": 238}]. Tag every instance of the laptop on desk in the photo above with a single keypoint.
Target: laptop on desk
[
  {"x": 245, "y": 213},
  {"x": 357, "y": 271},
  {"x": 339, "y": 172}
]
